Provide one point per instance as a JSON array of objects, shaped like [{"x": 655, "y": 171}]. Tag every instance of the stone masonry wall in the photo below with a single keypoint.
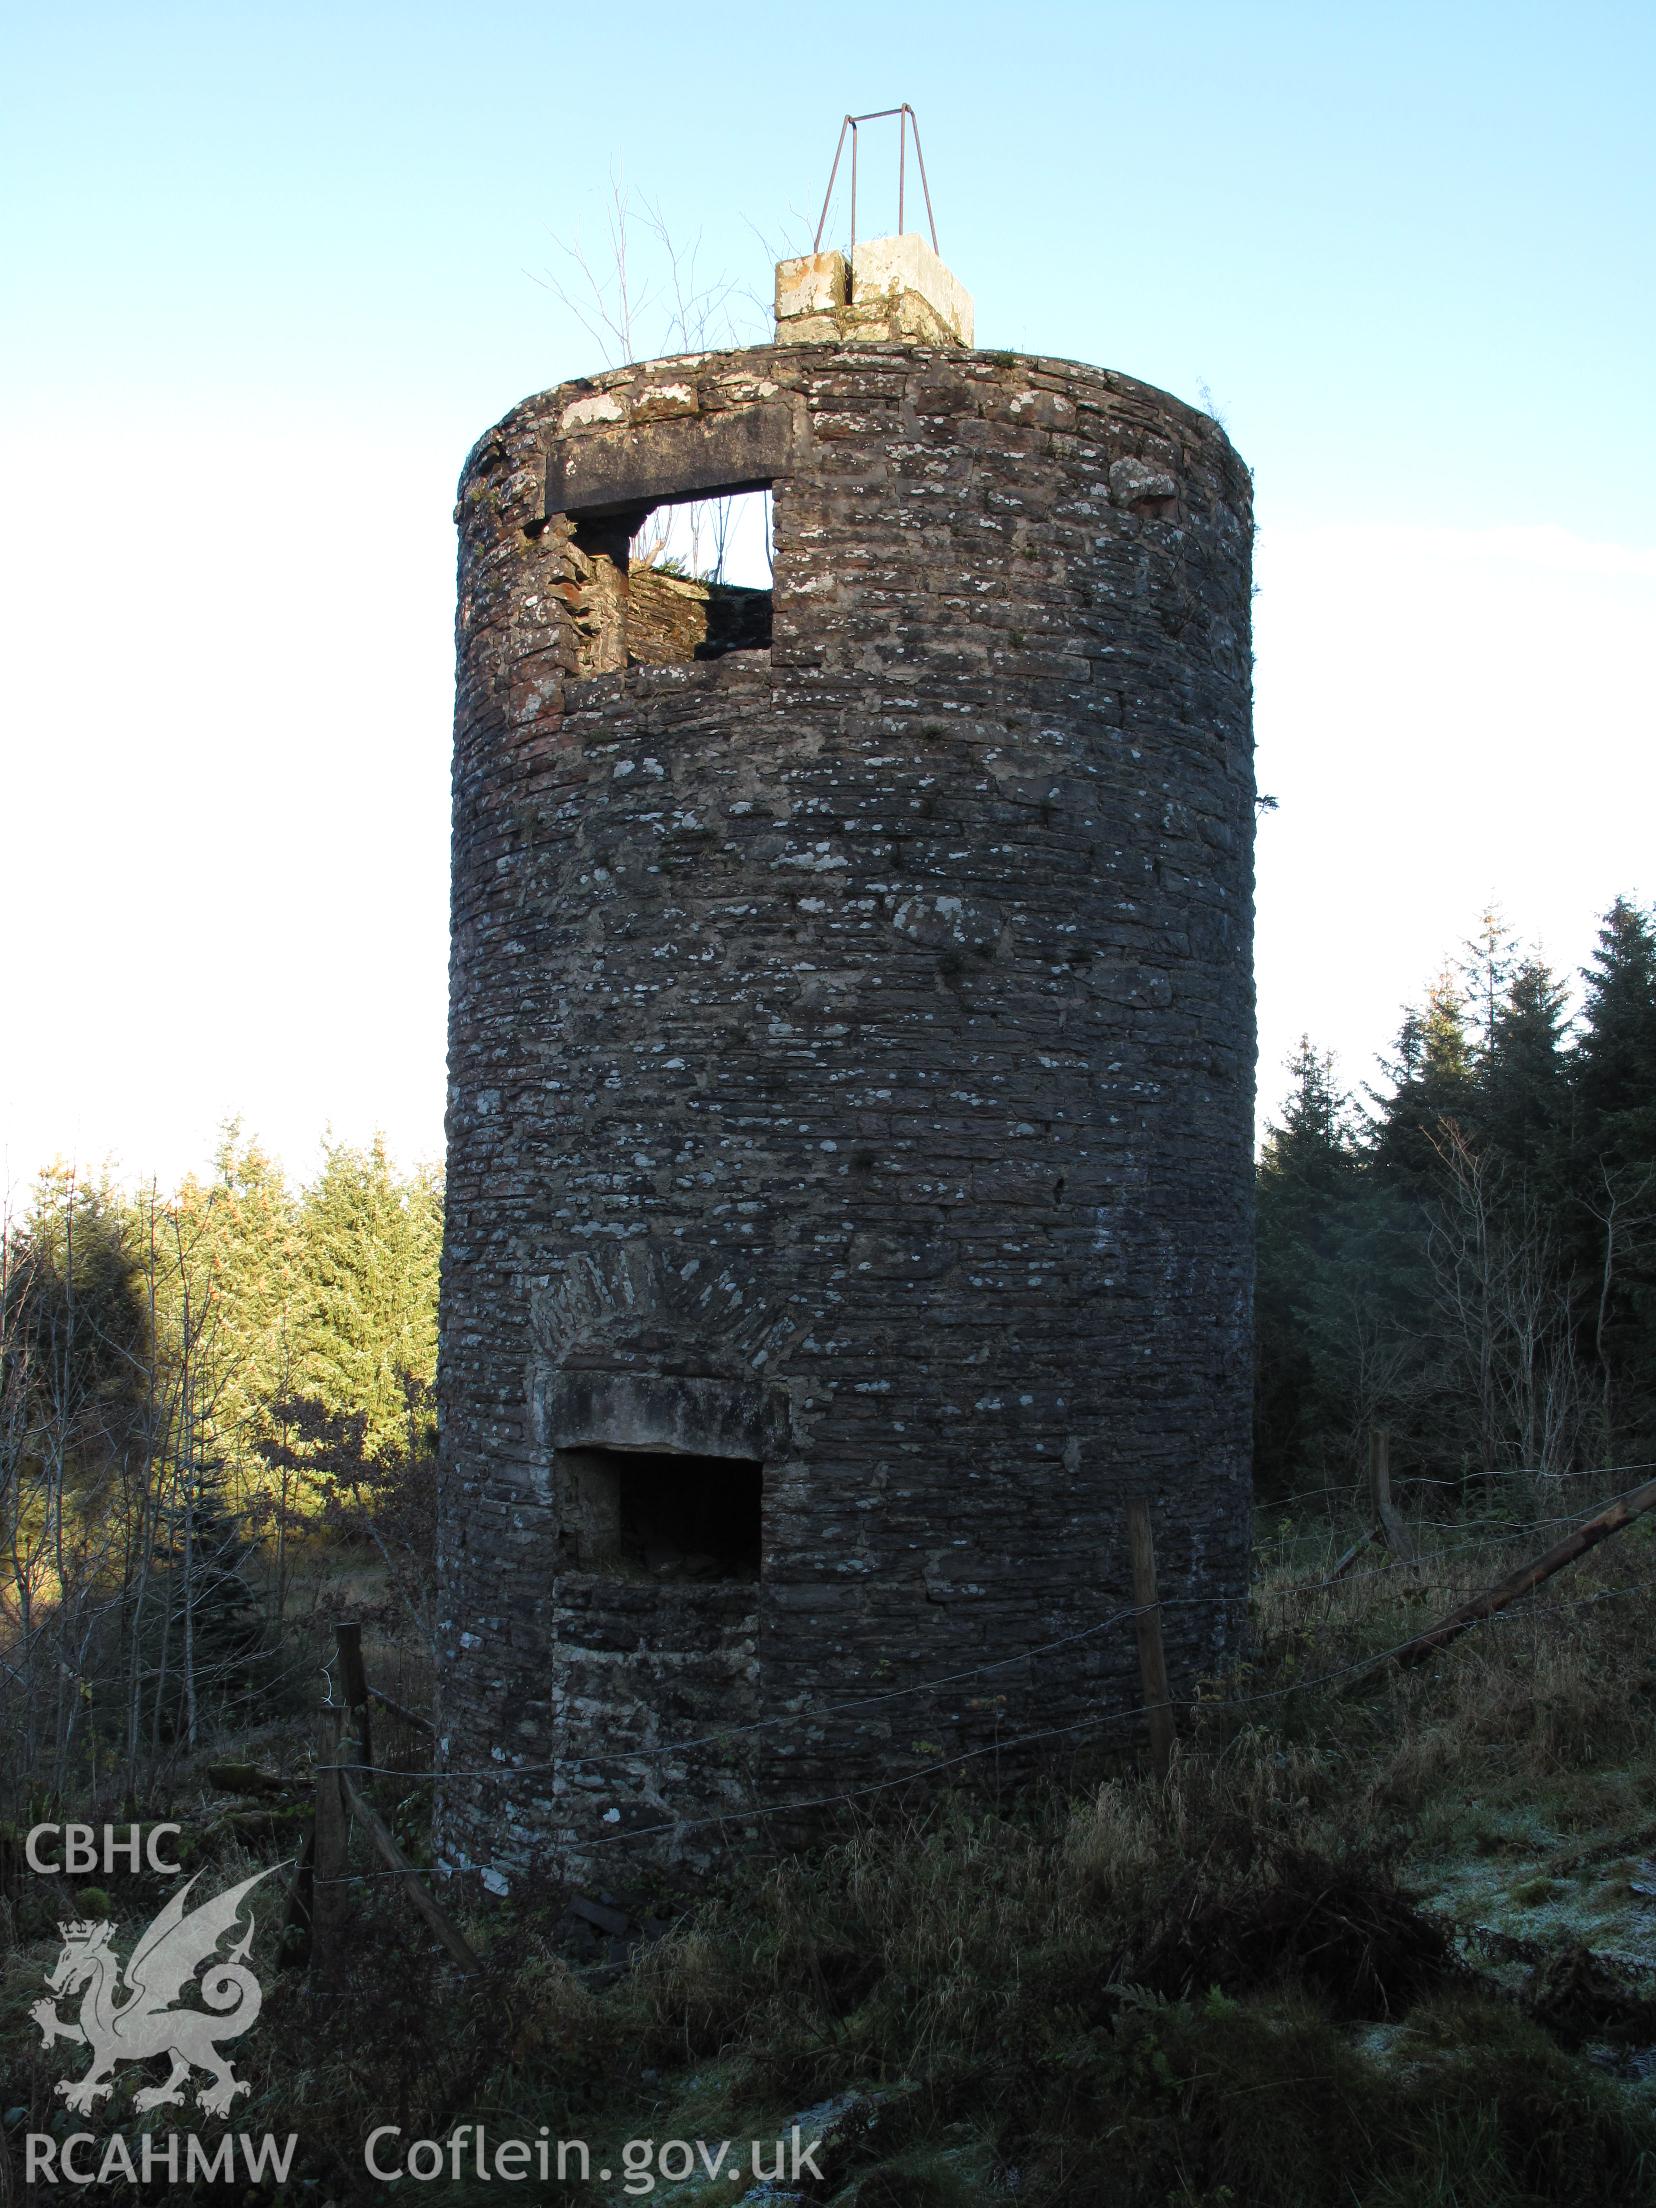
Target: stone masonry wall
[{"x": 851, "y": 1063}]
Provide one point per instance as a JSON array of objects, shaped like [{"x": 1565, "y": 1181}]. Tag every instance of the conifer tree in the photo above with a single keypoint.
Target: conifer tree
[
  {"x": 1488, "y": 963},
  {"x": 1614, "y": 1173},
  {"x": 369, "y": 1245},
  {"x": 1615, "y": 1060},
  {"x": 1524, "y": 1079},
  {"x": 1305, "y": 1188},
  {"x": 1433, "y": 1080},
  {"x": 244, "y": 1231}
]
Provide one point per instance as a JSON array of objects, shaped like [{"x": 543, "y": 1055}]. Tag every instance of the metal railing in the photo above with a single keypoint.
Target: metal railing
[{"x": 906, "y": 119}]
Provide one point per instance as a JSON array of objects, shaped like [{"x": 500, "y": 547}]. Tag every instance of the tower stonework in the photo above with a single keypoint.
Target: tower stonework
[{"x": 851, "y": 1083}]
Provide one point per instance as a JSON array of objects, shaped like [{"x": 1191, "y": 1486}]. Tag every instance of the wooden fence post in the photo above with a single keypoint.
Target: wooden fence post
[
  {"x": 328, "y": 1854},
  {"x": 1152, "y": 1656},
  {"x": 344, "y": 1751},
  {"x": 1398, "y": 1539},
  {"x": 353, "y": 1685}
]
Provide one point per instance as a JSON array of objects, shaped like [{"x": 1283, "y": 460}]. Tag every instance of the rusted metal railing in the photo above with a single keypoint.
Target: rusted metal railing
[{"x": 906, "y": 120}]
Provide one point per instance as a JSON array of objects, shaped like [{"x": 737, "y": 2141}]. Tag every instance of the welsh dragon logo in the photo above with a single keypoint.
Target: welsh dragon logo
[{"x": 169, "y": 1954}]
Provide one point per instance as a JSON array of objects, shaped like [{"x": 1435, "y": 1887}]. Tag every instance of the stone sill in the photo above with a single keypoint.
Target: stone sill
[
  {"x": 582, "y": 692},
  {"x": 587, "y": 1589}
]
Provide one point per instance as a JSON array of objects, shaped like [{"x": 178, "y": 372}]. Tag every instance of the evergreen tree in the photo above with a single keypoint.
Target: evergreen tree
[
  {"x": 1614, "y": 1174},
  {"x": 1305, "y": 1186},
  {"x": 77, "y": 1325},
  {"x": 1308, "y": 1158},
  {"x": 369, "y": 1252},
  {"x": 210, "y": 1630},
  {"x": 1488, "y": 964},
  {"x": 1615, "y": 1060},
  {"x": 1524, "y": 1079},
  {"x": 244, "y": 1232},
  {"x": 1433, "y": 1080}
]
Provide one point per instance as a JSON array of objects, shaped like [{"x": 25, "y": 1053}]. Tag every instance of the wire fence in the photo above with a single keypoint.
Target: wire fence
[
  {"x": 1418, "y": 1573},
  {"x": 815, "y": 1714},
  {"x": 1117, "y": 1716},
  {"x": 1261, "y": 1591},
  {"x": 1351, "y": 1490}
]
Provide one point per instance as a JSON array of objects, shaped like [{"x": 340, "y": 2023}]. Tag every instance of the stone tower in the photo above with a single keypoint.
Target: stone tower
[{"x": 851, "y": 1063}]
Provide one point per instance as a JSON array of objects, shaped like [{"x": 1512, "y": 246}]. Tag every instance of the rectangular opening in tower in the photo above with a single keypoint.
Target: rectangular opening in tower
[
  {"x": 683, "y": 580},
  {"x": 700, "y": 580},
  {"x": 662, "y": 1514}
]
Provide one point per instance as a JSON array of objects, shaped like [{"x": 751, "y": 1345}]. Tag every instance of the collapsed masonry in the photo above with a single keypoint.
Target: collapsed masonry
[{"x": 851, "y": 1064}]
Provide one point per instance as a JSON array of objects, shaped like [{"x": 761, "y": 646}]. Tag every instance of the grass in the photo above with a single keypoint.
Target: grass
[{"x": 1377, "y": 1942}]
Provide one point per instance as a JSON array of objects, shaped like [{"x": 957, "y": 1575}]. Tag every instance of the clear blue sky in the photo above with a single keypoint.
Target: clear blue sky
[{"x": 268, "y": 274}]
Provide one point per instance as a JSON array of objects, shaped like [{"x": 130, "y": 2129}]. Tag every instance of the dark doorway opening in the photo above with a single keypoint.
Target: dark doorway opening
[{"x": 663, "y": 1514}]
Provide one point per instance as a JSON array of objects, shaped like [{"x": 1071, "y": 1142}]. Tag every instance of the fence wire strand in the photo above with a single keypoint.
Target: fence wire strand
[
  {"x": 1416, "y": 1569},
  {"x": 1113, "y": 1717}
]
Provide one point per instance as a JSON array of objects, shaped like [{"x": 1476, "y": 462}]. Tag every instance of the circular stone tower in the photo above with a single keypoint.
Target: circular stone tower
[{"x": 851, "y": 1063}]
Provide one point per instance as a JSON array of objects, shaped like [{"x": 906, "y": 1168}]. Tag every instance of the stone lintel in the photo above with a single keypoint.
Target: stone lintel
[
  {"x": 633, "y": 466},
  {"x": 674, "y": 1415}
]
